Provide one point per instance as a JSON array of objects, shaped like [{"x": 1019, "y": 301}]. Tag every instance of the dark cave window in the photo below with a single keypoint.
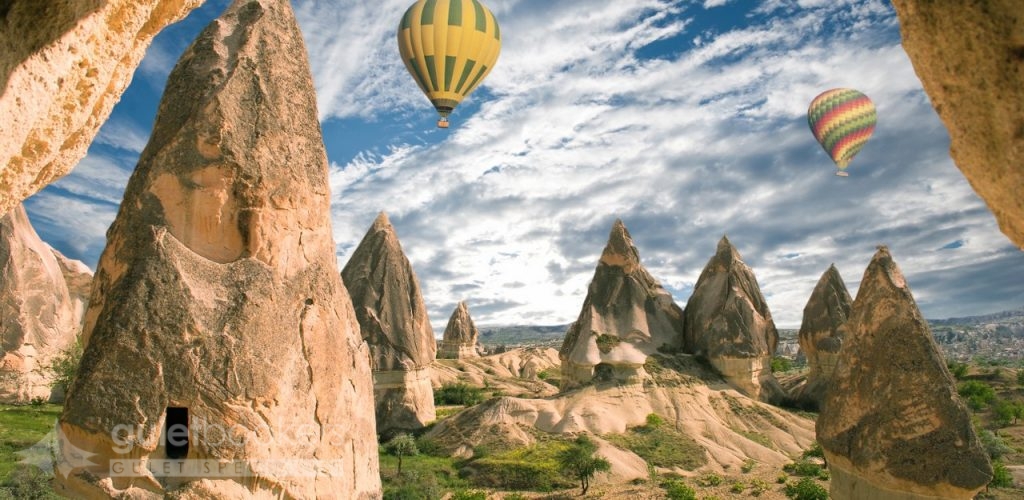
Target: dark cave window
[
  {"x": 176, "y": 432},
  {"x": 604, "y": 372}
]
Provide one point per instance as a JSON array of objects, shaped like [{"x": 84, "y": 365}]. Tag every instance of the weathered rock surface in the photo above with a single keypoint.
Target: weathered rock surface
[
  {"x": 970, "y": 59},
  {"x": 626, "y": 316},
  {"x": 40, "y": 309},
  {"x": 821, "y": 335},
  {"x": 727, "y": 322},
  {"x": 393, "y": 320},
  {"x": 461, "y": 338},
  {"x": 64, "y": 65},
  {"x": 217, "y": 302},
  {"x": 524, "y": 371},
  {"x": 892, "y": 425}
]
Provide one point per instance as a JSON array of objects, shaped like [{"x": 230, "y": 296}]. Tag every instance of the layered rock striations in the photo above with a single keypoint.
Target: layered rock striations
[
  {"x": 970, "y": 59},
  {"x": 41, "y": 309},
  {"x": 626, "y": 316},
  {"x": 821, "y": 334},
  {"x": 461, "y": 338},
  {"x": 727, "y": 322},
  {"x": 892, "y": 425},
  {"x": 217, "y": 306},
  {"x": 393, "y": 320},
  {"x": 64, "y": 65}
]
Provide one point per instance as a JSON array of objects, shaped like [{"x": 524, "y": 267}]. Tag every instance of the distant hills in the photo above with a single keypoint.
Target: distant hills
[{"x": 996, "y": 336}]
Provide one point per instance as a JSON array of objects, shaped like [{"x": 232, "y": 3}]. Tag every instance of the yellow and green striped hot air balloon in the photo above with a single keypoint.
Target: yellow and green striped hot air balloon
[
  {"x": 448, "y": 46},
  {"x": 842, "y": 120}
]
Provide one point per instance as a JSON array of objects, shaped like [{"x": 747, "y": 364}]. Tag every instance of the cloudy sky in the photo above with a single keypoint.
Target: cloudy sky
[{"x": 684, "y": 118}]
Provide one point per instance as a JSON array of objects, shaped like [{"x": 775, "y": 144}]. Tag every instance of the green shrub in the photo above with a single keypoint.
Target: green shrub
[
  {"x": 64, "y": 366},
  {"x": 814, "y": 451},
  {"x": 678, "y": 490},
  {"x": 654, "y": 420},
  {"x": 781, "y": 364},
  {"x": 737, "y": 487},
  {"x": 27, "y": 483},
  {"x": 605, "y": 343},
  {"x": 709, "y": 479},
  {"x": 782, "y": 478},
  {"x": 469, "y": 495},
  {"x": 959, "y": 370},
  {"x": 459, "y": 393},
  {"x": 748, "y": 465},
  {"x": 993, "y": 444},
  {"x": 978, "y": 394},
  {"x": 803, "y": 468},
  {"x": 806, "y": 489},
  {"x": 1001, "y": 477},
  {"x": 661, "y": 445},
  {"x": 758, "y": 486}
]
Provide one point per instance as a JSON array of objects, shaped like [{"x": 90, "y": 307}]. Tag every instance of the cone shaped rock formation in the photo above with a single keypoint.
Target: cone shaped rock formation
[
  {"x": 821, "y": 334},
  {"x": 461, "y": 338}
]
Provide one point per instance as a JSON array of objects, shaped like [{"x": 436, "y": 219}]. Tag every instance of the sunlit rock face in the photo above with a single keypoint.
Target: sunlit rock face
[
  {"x": 41, "y": 309},
  {"x": 970, "y": 59},
  {"x": 892, "y": 425},
  {"x": 626, "y": 316},
  {"x": 64, "y": 65},
  {"x": 821, "y": 335},
  {"x": 394, "y": 322},
  {"x": 729, "y": 324},
  {"x": 217, "y": 306},
  {"x": 461, "y": 338}
]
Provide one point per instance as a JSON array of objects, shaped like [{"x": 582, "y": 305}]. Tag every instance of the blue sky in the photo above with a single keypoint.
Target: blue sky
[{"x": 686, "y": 119}]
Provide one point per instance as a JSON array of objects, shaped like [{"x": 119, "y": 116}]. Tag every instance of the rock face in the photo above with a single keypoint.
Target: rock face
[
  {"x": 217, "y": 306},
  {"x": 892, "y": 425},
  {"x": 461, "y": 338},
  {"x": 729, "y": 324},
  {"x": 394, "y": 321},
  {"x": 41, "y": 309},
  {"x": 970, "y": 59},
  {"x": 821, "y": 334},
  {"x": 626, "y": 316},
  {"x": 64, "y": 65}
]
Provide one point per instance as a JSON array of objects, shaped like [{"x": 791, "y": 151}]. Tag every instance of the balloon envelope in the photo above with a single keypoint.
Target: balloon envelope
[
  {"x": 842, "y": 120},
  {"x": 448, "y": 46}
]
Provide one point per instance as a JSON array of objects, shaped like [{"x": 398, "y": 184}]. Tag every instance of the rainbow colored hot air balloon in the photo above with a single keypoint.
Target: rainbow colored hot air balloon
[
  {"x": 448, "y": 46},
  {"x": 842, "y": 120}
]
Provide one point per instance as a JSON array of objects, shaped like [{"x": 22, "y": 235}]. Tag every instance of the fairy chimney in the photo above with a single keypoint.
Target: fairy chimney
[
  {"x": 394, "y": 321},
  {"x": 729, "y": 324},
  {"x": 222, "y": 355},
  {"x": 461, "y": 338},
  {"x": 821, "y": 335}
]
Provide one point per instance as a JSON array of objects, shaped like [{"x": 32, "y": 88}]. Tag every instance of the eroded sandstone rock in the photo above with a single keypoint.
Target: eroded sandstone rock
[
  {"x": 626, "y": 316},
  {"x": 40, "y": 309},
  {"x": 393, "y": 320},
  {"x": 821, "y": 334},
  {"x": 970, "y": 59},
  {"x": 64, "y": 65},
  {"x": 461, "y": 338},
  {"x": 892, "y": 425},
  {"x": 218, "y": 304},
  {"x": 727, "y": 322}
]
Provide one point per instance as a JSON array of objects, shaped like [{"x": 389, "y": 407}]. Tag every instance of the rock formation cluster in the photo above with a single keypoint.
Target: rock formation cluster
[
  {"x": 970, "y": 59},
  {"x": 64, "y": 65},
  {"x": 217, "y": 305},
  {"x": 393, "y": 320},
  {"x": 727, "y": 322},
  {"x": 42, "y": 300},
  {"x": 821, "y": 335},
  {"x": 626, "y": 316},
  {"x": 892, "y": 425},
  {"x": 461, "y": 338}
]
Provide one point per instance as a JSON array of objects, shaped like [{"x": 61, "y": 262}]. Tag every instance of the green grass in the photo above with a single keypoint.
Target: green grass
[
  {"x": 661, "y": 445},
  {"x": 20, "y": 428},
  {"x": 532, "y": 468}
]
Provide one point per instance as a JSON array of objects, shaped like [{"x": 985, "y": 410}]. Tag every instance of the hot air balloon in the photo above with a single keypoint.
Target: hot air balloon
[
  {"x": 448, "y": 46},
  {"x": 842, "y": 120}
]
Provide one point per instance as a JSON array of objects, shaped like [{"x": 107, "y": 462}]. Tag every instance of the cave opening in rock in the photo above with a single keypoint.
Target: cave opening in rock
[
  {"x": 604, "y": 372},
  {"x": 176, "y": 432}
]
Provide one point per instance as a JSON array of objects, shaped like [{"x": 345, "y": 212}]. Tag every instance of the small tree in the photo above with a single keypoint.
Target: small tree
[
  {"x": 400, "y": 446},
  {"x": 64, "y": 366},
  {"x": 580, "y": 462}
]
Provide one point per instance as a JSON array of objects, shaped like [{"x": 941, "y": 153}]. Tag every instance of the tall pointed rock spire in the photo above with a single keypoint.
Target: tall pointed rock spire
[
  {"x": 821, "y": 334},
  {"x": 892, "y": 425},
  {"x": 626, "y": 316},
  {"x": 461, "y": 338},
  {"x": 218, "y": 330},
  {"x": 394, "y": 322},
  {"x": 729, "y": 324}
]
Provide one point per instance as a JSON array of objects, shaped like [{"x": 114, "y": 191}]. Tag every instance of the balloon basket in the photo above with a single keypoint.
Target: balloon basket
[
  {"x": 442, "y": 124},
  {"x": 840, "y": 173}
]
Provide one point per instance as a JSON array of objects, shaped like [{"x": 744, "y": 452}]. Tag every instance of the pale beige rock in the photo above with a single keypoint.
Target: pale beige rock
[
  {"x": 393, "y": 321},
  {"x": 727, "y": 322},
  {"x": 970, "y": 59},
  {"x": 626, "y": 317},
  {"x": 821, "y": 335},
  {"x": 522, "y": 371},
  {"x": 461, "y": 338},
  {"x": 40, "y": 309},
  {"x": 64, "y": 65},
  {"x": 892, "y": 425},
  {"x": 254, "y": 336}
]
